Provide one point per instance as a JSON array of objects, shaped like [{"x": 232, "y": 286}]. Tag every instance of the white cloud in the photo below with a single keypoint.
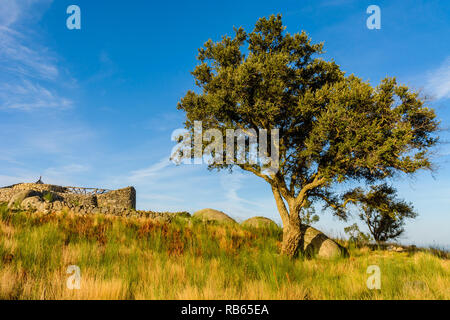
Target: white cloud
[
  {"x": 61, "y": 150},
  {"x": 23, "y": 57},
  {"x": 9, "y": 12},
  {"x": 438, "y": 81},
  {"x": 27, "y": 95},
  {"x": 231, "y": 184},
  {"x": 152, "y": 171},
  {"x": 165, "y": 186},
  {"x": 237, "y": 202},
  {"x": 7, "y": 180},
  {"x": 27, "y": 69},
  {"x": 12, "y": 11}
]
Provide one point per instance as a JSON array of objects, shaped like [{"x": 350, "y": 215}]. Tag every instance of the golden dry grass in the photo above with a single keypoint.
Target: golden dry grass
[{"x": 126, "y": 258}]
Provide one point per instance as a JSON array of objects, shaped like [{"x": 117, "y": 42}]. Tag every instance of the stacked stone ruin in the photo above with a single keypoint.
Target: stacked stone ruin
[{"x": 46, "y": 198}]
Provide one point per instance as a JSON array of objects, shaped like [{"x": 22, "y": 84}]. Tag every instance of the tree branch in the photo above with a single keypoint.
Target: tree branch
[
  {"x": 280, "y": 205},
  {"x": 314, "y": 184},
  {"x": 257, "y": 173}
]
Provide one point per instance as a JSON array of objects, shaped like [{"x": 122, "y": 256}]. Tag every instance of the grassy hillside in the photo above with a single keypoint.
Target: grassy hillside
[{"x": 137, "y": 258}]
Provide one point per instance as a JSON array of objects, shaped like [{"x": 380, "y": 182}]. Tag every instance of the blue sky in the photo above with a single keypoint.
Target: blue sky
[{"x": 97, "y": 106}]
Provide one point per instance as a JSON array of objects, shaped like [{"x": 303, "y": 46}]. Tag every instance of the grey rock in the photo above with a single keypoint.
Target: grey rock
[
  {"x": 209, "y": 215},
  {"x": 31, "y": 203},
  {"x": 260, "y": 223},
  {"x": 316, "y": 243},
  {"x": 22, "y": 195}
]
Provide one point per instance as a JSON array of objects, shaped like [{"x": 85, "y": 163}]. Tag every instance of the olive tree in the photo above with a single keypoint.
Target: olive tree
[{"x": 332, "y": 127}]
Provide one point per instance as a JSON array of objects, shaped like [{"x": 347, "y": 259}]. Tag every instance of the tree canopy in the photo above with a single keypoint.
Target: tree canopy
[{"x": 332, "y": 127}]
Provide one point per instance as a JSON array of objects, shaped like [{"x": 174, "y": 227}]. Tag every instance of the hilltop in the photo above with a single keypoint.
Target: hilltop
[{"x": 143, "y": 258}]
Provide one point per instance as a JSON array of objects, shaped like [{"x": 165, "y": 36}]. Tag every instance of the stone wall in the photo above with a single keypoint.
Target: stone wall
[
  {"x": 113, "y": 202},
  {"x": 39, "y": 187},
  {"x": 120, "y": 202},
  {"x": 123, "y": 198},
  {"x": 6, "y": 194},
  {"x": 77, "y": 200}
]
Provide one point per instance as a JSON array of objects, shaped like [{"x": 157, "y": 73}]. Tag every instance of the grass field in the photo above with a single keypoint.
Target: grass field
[{"x": 137, "y": 258}]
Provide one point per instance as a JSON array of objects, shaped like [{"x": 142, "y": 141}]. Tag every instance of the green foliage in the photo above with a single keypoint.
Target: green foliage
[
  {"x": 333, "y": 127},
  {"x": 357, "y": 236},
  {"x": 383, "y": 213},
  {"x": 48, "y": 196},
  {"x": 307, "y": 214}
]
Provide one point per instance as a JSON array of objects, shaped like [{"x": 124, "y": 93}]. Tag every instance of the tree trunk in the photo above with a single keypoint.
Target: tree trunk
[
  {"x": 302, "y": 238},
  {"x": 292, "y": 239},
  {"x": 292, "y": 235}
]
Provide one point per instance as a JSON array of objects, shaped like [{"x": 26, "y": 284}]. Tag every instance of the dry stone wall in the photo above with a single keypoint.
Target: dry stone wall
[
  {"x": 51, "y": 197},
  {"x": 123, "y": 198},
  {"x": 6, "y": 194}
]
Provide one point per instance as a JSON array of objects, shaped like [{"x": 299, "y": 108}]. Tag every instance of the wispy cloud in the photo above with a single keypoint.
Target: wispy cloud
[
  {"x": 28, "y": 70},
  {"x": 8, "y": 180},
  {"x": 149, "y": 172},
  {"x": 231, "y": 185},
  {"x": 23, "y": 57},
  {"x": 9, "y": 12},
  {"x": 236, "y": 198},
  {"x": 27, "y": 95},
  {"x": 165, "y": 186},
  {"x": 438, "y": 81}
]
